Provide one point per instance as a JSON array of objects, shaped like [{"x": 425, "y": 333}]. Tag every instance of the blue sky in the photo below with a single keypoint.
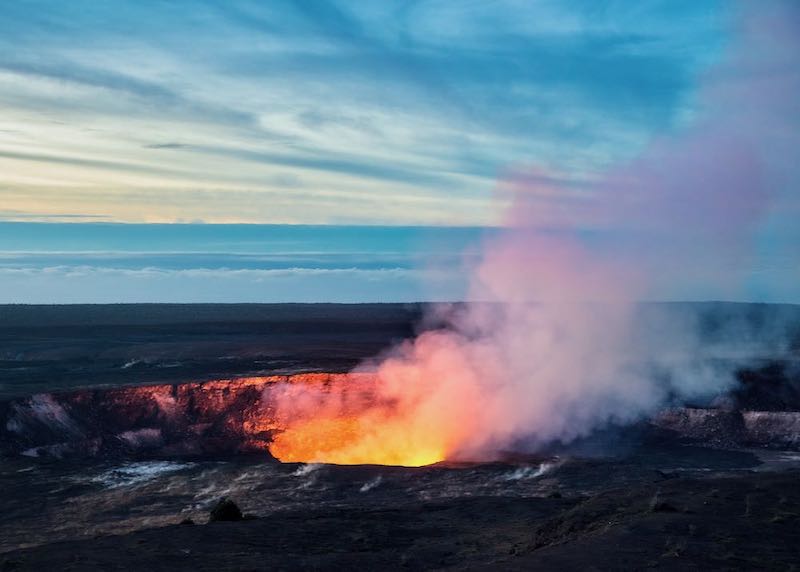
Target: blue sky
[
  {"x": 403, "y": 116},
  {"x": 329, "y": 112},
  {"x": 108, "y": 263}
]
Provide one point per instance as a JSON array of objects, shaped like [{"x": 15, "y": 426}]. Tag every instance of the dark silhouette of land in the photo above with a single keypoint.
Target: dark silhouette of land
[
  {"x": 52, "y": 348},
  {"x": 97, "y": 475}
]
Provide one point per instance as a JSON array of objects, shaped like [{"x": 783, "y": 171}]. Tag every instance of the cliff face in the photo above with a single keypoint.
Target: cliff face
[
  {"x": 734, "y": 428},
  {"x": 209, "y": 418},
  {"x": 237, "y": 416}
]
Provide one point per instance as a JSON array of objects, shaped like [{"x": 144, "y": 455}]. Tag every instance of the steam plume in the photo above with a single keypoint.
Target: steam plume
[{"x": 550, "y": 353}]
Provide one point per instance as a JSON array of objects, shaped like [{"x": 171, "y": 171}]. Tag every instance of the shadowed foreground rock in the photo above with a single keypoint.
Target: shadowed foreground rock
[
  {"x": 751, "y": 521},
  {"x": 225, "y": 511}
]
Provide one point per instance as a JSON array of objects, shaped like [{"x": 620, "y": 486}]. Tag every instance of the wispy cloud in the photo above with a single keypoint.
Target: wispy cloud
[
  {"x": 12, "y": 215},
  {"x": 165, "y": 146},
  {"x": 330, "y": 112},
  {"x": 99, "y": 262},
  {"x": 91, "y": 284}
]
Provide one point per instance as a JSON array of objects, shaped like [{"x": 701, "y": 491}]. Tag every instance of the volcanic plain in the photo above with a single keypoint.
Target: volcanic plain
[{"x": 122, "y": 427}]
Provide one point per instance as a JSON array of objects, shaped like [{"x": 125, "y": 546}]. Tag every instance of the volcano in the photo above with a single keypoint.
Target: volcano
[
  {"x": 249, "y": 416},
  {"x": 100, "y": 462}
]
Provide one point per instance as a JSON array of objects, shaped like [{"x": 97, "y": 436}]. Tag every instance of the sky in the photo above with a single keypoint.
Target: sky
[
  {"x": 208, "y": 115},
  {"x": 328, "y": 112},
  {"x": 192, "y": 263}
]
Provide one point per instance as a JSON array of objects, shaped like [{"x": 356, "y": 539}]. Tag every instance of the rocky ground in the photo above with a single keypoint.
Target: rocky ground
[
  {"x": 58, "y": 348},
  {"x": 747, "y": 521},
  {"x": 98, "y": 475}
]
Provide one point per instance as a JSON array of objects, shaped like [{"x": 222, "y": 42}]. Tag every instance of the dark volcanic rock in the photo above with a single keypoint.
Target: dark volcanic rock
[
  {"x": 659, "y": 505},
  {"x": 219, "y": 417},
  {"x": 716, "y": 427},
  {"x": 60, "y": 348},
  {"x": 731, "y": 429},
  {"x": 225, "y": 511},
  {"x": 775, "y": 386},
  {"x": 749, "y": 521}
]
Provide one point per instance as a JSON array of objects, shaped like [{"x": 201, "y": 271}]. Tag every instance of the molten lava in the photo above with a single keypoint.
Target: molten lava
[
  {"x": 356, "y": 440},
  {"x": 349, "y": 421},
  {"x": 404, "y": 414},
  {"x": 422, "y": 405}
]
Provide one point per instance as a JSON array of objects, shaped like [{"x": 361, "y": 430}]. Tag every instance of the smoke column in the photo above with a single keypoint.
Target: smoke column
[{"x": 550, "y": 353}]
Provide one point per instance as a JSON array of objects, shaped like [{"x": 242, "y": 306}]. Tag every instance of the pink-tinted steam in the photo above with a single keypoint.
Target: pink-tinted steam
[{"x": 547, "y": 352}]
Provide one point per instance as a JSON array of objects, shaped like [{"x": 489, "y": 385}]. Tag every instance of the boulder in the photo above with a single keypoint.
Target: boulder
[{"x": 225, "y": 511}]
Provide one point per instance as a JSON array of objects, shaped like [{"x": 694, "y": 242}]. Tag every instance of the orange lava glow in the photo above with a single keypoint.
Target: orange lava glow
[
  {"x": 423, "y": 405},
  {"x": 393, "y": 418},
  {"x": 353, "y": 441}
]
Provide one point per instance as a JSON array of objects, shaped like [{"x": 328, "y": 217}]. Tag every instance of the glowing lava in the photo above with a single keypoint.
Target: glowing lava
[
  {"x": 424, "y": 404},
  {"x": 351, "y": 420},
  {"x": 354, "y": 441},
  {"x": 395, "y": 417}
]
